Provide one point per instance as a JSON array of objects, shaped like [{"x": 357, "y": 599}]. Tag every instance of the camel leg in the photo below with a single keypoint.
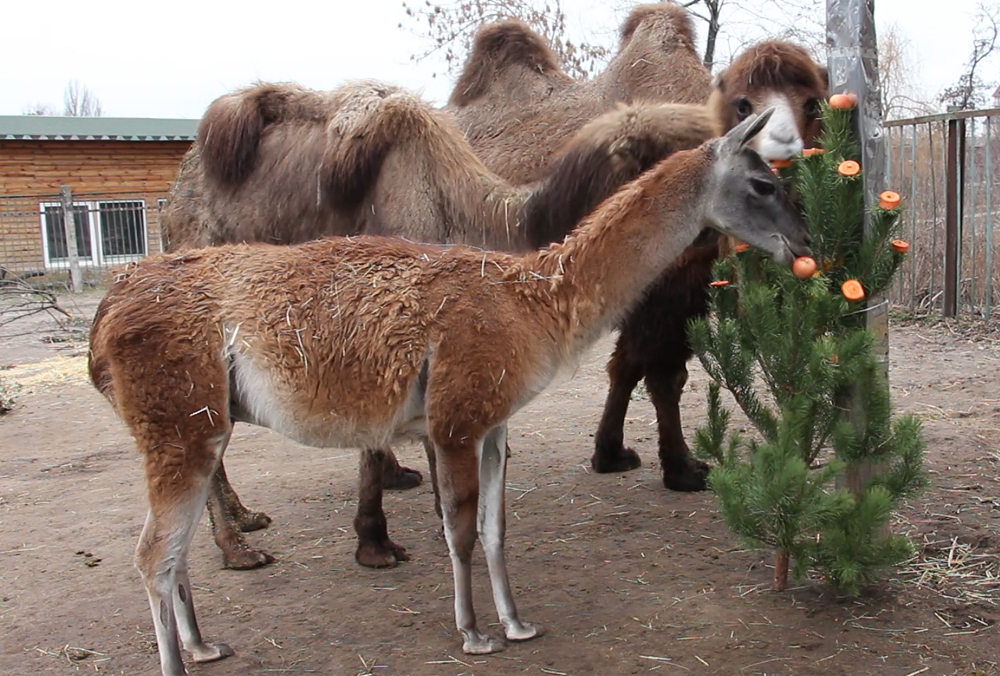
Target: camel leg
[
  {"x": 237, "y": 554},
  {"x": 493, "y": 529},
  {"x": 432, "y": 464},
  {"x": 395, "y": 477},
  {"x": 161, "y": 558},
  {"x": 681, "y": 471},
  {"x": 246, "y": 520},
  {"x": 457, "y": 470},
  {"x": 375, "y": 549},
  {"x": 610, "y": 453}
]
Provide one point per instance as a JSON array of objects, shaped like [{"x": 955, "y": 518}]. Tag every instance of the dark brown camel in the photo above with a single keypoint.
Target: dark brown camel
[
  {"x": 283, "y": 164},
  {"x": 516, "y": 105}
]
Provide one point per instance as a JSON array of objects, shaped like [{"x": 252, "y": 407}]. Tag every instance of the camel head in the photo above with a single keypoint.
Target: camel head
[
  {"x": 775, "y": 75},
  {"x": 746, "y": 201}
]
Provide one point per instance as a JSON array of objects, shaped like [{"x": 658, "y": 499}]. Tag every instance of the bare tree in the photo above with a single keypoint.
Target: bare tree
[
  {"x": 80, "y": 101},
  {"x": 730, "y": 24},
  {"x": 901, "y": 95},
  {"x": 740, "y": 22},
  {"x": 39, "y": 109},
  {"x": 452, "y": 27},
  {"x": 968, "y": 92}
]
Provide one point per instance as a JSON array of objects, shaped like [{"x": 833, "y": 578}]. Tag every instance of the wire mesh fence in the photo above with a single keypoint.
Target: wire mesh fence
[
  {"x": 946, "y": 167},
  {"x": 110, "y": 229}
]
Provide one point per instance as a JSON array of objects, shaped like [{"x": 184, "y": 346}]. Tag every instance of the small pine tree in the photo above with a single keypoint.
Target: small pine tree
[{"x": 793, "y": 353}]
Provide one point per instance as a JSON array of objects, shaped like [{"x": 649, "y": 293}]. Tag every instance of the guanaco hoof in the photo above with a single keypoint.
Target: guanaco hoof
[
  {"x": 477, "y": 643},
  {"x": 210, "y": 652},
  {"x": 624, "y": 460},
  {"x": 523, "y": 631}
]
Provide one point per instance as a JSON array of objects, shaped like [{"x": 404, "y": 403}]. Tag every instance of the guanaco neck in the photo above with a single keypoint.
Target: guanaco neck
[{"x": 601, "y": 270}]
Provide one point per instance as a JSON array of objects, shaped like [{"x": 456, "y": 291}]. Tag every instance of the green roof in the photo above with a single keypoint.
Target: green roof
[{"x": 56, "y": 128}]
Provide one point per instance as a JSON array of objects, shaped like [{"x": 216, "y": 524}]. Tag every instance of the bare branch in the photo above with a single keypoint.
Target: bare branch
[
  {"x": 451, "y": 27},
  {"x": 969, "y": 92},
  {"x": 80, "y": 101}
]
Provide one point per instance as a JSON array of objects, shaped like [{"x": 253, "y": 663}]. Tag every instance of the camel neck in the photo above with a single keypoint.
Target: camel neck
[{"x": 600, "y": 271}]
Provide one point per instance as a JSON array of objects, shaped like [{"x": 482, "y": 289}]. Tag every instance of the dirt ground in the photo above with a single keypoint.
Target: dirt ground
[{"x": 626, "y": 577}]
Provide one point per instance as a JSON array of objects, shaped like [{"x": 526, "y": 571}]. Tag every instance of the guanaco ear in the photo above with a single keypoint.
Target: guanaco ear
[{"x": 744, "y": 132}]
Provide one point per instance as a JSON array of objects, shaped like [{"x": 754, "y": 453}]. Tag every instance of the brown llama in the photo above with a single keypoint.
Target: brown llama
[
  {"x": 516, "y": 105},
  {"x": 360, "y": 341},
  {"x": 283, "y": 164}
]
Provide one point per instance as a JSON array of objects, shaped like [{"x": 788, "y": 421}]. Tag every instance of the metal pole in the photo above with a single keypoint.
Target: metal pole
[
  {"x": 853, "y": 68},
  {"x": 69, "y": 227}
]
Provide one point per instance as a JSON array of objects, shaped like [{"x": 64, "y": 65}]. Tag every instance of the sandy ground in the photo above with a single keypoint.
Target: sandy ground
[{"x": 627, "y": 577}]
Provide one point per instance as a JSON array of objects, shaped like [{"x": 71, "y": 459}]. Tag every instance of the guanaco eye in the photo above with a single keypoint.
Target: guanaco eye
[
  {"x": 762, "y": 187},
  {"x": 743, "y": 108},
  {"x": 812, "y": 108}
]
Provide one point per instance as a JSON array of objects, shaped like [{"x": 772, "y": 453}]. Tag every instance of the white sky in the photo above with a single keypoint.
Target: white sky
[{"x": 171, "y": 59}]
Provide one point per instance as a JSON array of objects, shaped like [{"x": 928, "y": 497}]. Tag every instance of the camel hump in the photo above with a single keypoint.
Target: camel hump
[
  {"x": 230, "y": 132},
  {"x": 497, "y": 47},
  {"x": 672, "y": 16},
  {"x": 371, "y": 120}
]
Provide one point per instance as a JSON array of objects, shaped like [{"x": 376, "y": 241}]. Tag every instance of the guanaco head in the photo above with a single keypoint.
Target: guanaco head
[{"x": 747, "y": 202}]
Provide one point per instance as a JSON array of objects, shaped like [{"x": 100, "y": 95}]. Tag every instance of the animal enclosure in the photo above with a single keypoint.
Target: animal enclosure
[
  {"x": 627, "y": 576},
  {"x": 946, "y": 167}
]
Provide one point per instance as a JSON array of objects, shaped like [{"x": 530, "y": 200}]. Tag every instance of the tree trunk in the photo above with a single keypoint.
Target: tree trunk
[
  {"x": 69, "y": 227},
  {"x": 781, "y": 570}
]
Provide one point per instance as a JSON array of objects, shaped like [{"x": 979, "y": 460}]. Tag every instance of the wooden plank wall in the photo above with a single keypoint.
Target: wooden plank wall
[{"x": 33, "y": 171}]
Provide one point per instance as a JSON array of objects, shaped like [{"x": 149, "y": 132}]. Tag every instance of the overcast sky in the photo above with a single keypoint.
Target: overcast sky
[{"x": 171, "y": 59}]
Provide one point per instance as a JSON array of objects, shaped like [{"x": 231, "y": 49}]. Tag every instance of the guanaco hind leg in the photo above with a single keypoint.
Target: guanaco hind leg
[
  {"x": 161, "y": 558},
  {"x": 492, "y": 531}
]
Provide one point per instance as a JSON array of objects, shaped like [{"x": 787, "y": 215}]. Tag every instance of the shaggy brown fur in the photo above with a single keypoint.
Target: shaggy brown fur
[
  {"x": 519, "y": 120},
  {"x": 415, "y": 176},
  {"x": 517, "y": 117},
  {"x": 355, "y": 342},
  {"x": 768, "y": 68}
]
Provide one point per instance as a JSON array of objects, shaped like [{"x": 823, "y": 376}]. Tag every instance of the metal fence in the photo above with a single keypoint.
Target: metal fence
[
  {"x": 110, "y": 229},
  {"x": 945, "y": 166}
]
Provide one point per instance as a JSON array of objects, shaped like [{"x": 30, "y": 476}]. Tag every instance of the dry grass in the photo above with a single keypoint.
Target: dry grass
[{"x": 39, "y": 376}]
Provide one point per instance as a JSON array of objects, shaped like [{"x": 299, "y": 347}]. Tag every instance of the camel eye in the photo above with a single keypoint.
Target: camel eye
[
  {"x": 812, "y": 108},
  {"x": 743, "y": 108}
]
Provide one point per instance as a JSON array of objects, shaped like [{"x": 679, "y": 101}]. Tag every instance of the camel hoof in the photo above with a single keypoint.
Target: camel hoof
[
  {"x": 251, "y": 521},
  {"x": 246, "y": 559},
  {"x": 380, "y": 555},
  {"x": 210, "y": 652},
  {"x": 609, "y": 462},
  {"x": 401, "y": 480},
  {"x": 477, "y": 643},
  {"x": 523, "y": 631},
  {"x": 690, "y": 477}
]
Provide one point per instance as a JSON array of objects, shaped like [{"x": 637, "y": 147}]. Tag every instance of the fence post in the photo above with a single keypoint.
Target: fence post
[
  {"x": 951, "y": 238},
  {"x": 853, "y": 67},
  {"x": 69, "y": 227}
]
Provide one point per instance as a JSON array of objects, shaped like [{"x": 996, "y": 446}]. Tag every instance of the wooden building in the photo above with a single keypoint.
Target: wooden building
[{"x": 120, "y": 171}]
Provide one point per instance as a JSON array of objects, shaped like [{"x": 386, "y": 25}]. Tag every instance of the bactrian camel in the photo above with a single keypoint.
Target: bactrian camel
[
  {"x": 282, "y": 164},
  {"x": 359, "y": 341},
  {"x": 516, "y": 105}
]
